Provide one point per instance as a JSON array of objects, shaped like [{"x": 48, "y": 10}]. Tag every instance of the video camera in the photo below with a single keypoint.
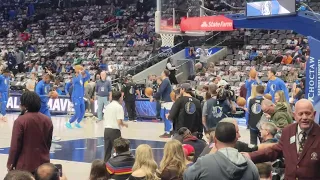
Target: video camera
[{"x": 225, "y": 93}]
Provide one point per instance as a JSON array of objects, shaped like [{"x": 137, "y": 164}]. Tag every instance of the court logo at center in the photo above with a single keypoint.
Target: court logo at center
[{"x": 190, "y": 108}]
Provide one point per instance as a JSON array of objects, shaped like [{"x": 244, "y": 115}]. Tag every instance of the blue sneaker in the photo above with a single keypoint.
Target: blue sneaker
[
  {"x": 68, "y": 125},
  {"x": 78, "y": 125}
]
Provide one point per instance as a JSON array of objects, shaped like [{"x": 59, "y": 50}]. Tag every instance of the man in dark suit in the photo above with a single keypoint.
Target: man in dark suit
[
  {"x": 31, "y": 136},
  {"x": 299, "y": 145}
]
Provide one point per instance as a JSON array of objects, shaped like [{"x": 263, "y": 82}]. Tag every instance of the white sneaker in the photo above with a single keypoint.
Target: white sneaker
[{"x": 56, "y": 139}]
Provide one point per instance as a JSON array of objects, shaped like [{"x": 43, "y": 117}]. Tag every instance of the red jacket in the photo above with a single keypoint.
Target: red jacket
[
  {"x": 304, "y": 168},
  {"x": 30, "y": 142}
]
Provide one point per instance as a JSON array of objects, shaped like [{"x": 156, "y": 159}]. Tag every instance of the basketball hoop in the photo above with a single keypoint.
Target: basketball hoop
[{"x": 167, "y": 40}]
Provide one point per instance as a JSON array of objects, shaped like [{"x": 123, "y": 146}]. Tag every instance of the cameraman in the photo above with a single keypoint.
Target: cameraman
[{"x": 218, "y": 106}]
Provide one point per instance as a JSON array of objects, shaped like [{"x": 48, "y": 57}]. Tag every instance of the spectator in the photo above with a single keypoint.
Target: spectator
[
  {"x": 265, "y": 171},
  {"x": 49, "y": 171},
  {"x": 215, "y": 166},
  {"x": 98, "y": 170},
  {"x": 214, "y": 110},
  {"x": 247, "y": 36},
  {"x": 144, "y": 166},
  {"x": 26, "y": 135},
  {"x": 189, "y": 154},
  {"x": 287, "y": 59},
  {"x": 240, "y": 146},
  {"x": 20, "y": 57},
  {"x": 280, "y": 98},
  {"x": 297, "y": 145},
  {"x": 259, "y": 58},
  {"x": 268, "y": 131},
  {"x": 233, "y": 77},
  {"x": 278, "y": 113},
  {"x": 172, "y": 165},
  {"x": 18, "y": 175},
  {"x": 301, "y": 89},
  {"x": 120, "y": 166},
  {"x": 41, "y": 40},
  {"x": 243, "y": 91},
  {"x": 31, "y": 83},
  {"x": 270, "y": 57},
  {"x": 278, "y": 58},
  {"x": 189, "y": 117},
  {"x": 172, "y": 69},
  {"x": 255, "y": 113},
  {"x": 253, "y": 54},
  {"x": 292, "y": 43},
  {"x": 292, "y": 76},
  {"x": 37, "y": 69},
  {"x": 185, "y": 137}
]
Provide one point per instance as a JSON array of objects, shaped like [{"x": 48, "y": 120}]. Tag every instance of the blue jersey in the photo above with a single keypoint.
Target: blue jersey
[
  {"x": 78, "y": 85},
  {"x": 248, "y": 85},
  {"x": 4, "y": 83},
  {"x": 42, "y": 89},
  {"x": 276, "y": 85}
]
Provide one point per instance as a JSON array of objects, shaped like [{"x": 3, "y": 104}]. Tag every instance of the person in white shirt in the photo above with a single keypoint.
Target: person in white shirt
[
  {"x": 113, "y": 122},
  {"x": 37, "y": 69},
  {"x": 41, "y": 40},
  {"x": 31, "y": 83}
]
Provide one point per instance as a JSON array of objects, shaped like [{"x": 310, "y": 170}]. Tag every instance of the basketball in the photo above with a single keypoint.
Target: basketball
[
  {"x": 148, "y": 91},
  {"x": 241, "y": 101},
  {"x": 253, "y": 73},
  {"x": 173, "y": 96},
  {"x": 54, "y": 95},
  {"x": 268, "y": 96}
]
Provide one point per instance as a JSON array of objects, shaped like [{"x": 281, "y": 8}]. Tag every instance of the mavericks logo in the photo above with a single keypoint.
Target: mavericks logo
[
  {"x": 256, "y": 108},
  {"x": 190, "y": 107},
  {"x": 217, "y": 112}
]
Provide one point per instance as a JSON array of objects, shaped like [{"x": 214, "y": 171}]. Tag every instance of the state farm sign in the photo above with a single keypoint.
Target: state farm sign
[{"x": 206, "y": 23}]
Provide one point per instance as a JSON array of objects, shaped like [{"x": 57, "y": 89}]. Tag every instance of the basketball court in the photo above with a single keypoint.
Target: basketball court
[{"x": 79, "y": 147}]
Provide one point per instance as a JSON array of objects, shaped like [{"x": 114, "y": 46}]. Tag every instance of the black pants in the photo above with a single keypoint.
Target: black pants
[
  {"x": 131, "y": 109},
  {"x": 254, "y": 135},
  {"x": 21, "y": 67},
  {"x": 109, "y": 136}
]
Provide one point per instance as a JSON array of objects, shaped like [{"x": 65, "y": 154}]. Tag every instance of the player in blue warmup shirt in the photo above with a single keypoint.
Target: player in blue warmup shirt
[
  {"x": 275, "y": 84},
  {"x": 4, "y": 92},
  {"x": 249, "y": 83},
  {"x": 78, "y": 81},
  {"x": 43, "y": 89}
]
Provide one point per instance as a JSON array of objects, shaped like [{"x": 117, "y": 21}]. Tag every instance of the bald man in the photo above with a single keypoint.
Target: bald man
[
  {"x": 103, "y": 93},
  {"x": 48, "y": 171},
  {"x": 299, "y": 145}
]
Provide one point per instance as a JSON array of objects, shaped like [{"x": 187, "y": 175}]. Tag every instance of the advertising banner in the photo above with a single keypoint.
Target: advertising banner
[
  {"x": 208, "y": 52},
  {"x": 312, "y": 91},
  {"x": 63, "y": 105},
  {"x": 206, "y": 23}
]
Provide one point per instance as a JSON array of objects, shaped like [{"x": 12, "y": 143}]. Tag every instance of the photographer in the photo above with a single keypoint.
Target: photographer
[{"x": 219, "y": 106}]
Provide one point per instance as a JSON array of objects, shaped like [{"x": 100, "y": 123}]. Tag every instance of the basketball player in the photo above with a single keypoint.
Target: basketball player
[
  {"x": 81, "y": 76},
  {"x": 43, "y": 90},
  {"x": 275, "y": 84},
  {"x": 4, "y": 92},
  {"x": 163, "y": 94}
]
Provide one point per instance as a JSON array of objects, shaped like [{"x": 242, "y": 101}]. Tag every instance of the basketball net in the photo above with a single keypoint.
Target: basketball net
[{"x": 167, "y": 40}]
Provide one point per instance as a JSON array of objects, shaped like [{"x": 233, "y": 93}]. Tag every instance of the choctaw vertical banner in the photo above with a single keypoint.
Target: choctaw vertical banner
[{"x": 313, "y": 75}]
